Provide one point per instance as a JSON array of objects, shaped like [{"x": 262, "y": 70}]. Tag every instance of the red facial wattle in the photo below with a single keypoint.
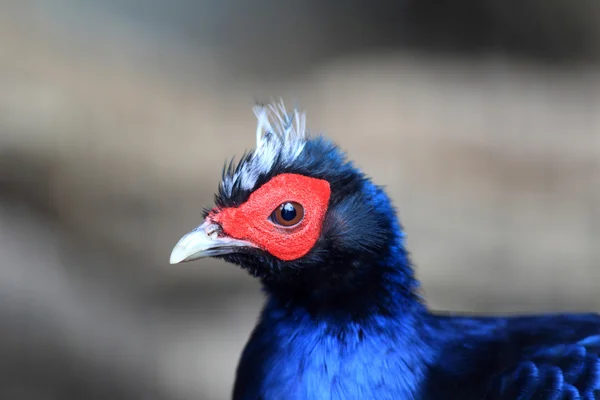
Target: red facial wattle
[{"x": 251, "y": 220}]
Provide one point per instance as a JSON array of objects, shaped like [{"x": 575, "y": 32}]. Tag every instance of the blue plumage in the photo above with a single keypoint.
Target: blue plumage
[
  {"x": 423, "y": 357},
  {"x": 345, "y": 321}
]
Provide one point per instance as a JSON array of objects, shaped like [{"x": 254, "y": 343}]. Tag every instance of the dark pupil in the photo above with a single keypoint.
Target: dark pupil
[{"x": 288, "y": 212}]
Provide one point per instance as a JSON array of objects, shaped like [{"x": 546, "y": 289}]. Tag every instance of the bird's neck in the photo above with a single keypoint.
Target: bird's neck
[{"x": 381, "y": 286}]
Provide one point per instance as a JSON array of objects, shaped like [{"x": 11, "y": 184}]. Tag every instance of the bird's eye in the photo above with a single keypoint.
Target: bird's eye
[{"x": 288, "y": 214}]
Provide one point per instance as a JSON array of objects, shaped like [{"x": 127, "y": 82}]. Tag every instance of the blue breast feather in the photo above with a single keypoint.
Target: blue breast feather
[{"x": 552, "y": 357}]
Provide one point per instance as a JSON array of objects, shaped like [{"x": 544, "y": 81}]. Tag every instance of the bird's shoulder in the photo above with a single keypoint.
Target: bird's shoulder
[
  {"x": 550, "y": 357},
  {"x": 531, "y": 357}
]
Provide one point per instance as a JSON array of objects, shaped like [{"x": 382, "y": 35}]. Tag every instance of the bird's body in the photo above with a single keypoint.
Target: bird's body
[
  {"x": 431, "y": 357},
  {"x": 344, "y": 319}
]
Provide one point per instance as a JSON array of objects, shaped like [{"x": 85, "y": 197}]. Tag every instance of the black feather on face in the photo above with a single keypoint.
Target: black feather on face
[{"x": 360, "y": 238}]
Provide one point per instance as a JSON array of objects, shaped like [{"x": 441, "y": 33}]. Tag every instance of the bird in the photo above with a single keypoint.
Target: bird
[{"x": 344, "y": 316}]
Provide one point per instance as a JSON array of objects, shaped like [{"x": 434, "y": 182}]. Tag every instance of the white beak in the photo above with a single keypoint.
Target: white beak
[{"x": 207, "y": 240}]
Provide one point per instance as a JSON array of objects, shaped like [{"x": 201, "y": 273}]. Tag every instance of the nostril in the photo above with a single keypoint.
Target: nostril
[{"x": 213, "y": 231}]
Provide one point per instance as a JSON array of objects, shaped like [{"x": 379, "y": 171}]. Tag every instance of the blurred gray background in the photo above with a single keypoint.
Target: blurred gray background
[{"x": 482, "y": 118}]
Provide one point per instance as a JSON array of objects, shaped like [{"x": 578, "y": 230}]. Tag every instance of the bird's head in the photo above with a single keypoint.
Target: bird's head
[{"x": 296, "y": 213}]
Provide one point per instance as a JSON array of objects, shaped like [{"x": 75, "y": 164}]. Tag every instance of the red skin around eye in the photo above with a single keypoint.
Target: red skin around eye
[{"x": 250, "y": 221}]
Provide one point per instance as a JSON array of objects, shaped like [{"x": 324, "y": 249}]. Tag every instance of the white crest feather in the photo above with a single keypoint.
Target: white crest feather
[{"x": 279, "y": 136}]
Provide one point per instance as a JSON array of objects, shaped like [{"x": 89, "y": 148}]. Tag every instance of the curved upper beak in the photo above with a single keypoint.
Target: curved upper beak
[{"x": 205, "y": 241}]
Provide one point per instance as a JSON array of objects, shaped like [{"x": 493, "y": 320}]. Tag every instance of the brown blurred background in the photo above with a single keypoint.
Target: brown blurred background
[{"x": 482, "y": 117}]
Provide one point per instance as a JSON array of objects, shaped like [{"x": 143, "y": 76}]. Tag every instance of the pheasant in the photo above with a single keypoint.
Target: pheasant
[{"x": 343, "y": 317}]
